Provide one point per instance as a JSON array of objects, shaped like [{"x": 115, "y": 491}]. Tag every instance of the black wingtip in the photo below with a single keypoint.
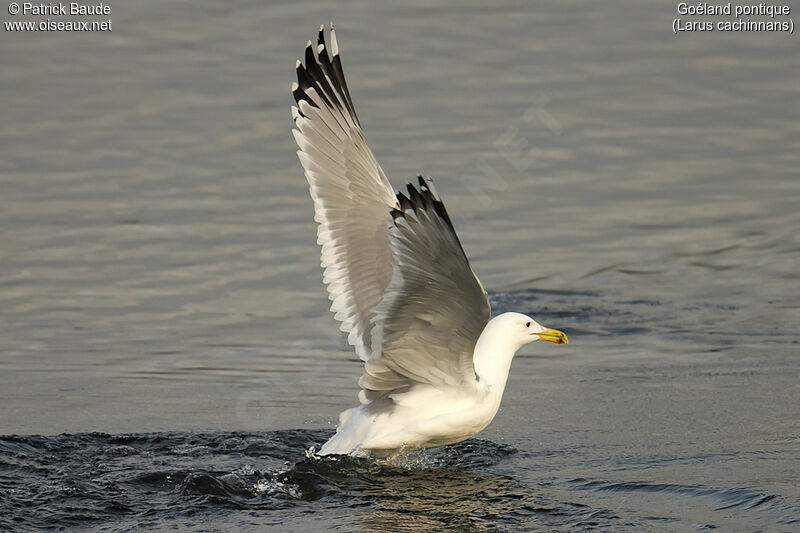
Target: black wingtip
[
  {"x": 421, "y": 196},
  {"x": 309, "y": 57},
  {"x": 414, "y": 195},
  {"x": 323, "y": 73},
  {"x": 404, "y": 201}
]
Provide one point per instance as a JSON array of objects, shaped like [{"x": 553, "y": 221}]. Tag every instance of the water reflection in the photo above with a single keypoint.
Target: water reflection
[
  {"x": 416, "y": 497},
  {"x": 424, "y": 500},
  {"x": 443, "y": 488}
]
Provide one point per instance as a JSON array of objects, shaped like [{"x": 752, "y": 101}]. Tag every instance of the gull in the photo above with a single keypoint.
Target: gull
[{"x": 400, "y": 283}]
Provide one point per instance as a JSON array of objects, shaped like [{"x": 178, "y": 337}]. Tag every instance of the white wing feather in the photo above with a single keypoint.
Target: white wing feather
[{"x": 352, "y": 197}]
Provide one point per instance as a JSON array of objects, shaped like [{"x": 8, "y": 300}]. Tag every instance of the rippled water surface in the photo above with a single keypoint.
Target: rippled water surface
[
  {"x": 251, "y": 481},
  {"x": 164, "y": 326}
]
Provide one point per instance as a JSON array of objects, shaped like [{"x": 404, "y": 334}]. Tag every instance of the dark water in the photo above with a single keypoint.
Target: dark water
[
  {"x": 254, "y": 481},
  {"x": 160, "y": 283},
  {"x": 623, "y": 445}
]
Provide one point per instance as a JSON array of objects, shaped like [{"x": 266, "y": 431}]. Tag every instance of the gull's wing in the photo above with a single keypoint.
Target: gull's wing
[
  {"x": 434, "y": 309},
  {"x": 352, "y": 197},
  {"x": 396, "y": 273}
]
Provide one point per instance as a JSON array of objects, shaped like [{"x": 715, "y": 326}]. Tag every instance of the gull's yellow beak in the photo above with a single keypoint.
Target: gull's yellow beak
[{"x": 552, "y": 335}]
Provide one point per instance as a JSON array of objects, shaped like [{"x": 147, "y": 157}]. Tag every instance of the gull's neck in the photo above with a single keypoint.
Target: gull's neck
[{"x": 492, "y": 359}]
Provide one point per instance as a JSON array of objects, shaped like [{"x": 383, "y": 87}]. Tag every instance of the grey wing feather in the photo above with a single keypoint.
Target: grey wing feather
[{"x": 435, "y": 308}]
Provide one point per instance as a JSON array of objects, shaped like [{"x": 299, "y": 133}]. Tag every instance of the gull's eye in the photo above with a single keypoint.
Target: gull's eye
[{"x": 527, "y": 324}]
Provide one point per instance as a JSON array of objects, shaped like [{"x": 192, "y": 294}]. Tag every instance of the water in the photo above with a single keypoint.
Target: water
[
  {"x": 251, "y": 481},
  {"x": 159, "y": 279}
]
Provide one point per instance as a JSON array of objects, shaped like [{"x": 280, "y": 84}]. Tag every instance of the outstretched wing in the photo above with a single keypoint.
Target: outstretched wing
[
  {"x": 352, "y": 197},
  {"x": 434, "y": 309},
  {"x": 396, "y": 273}
]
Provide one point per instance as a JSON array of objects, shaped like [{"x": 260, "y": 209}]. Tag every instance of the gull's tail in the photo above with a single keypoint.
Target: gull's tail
[{"x": 350, "y": 433}]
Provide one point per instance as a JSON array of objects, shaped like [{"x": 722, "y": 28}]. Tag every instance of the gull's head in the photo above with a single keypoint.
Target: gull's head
[
  {"x": 519, "y": 330},
  {"x": 500, "y": 340}
]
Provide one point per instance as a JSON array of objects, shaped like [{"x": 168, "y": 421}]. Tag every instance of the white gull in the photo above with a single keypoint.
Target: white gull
[{"x": 435, "y": 364}]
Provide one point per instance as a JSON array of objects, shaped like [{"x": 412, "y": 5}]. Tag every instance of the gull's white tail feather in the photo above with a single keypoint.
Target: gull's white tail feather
[{"x": 350, "y": 433}]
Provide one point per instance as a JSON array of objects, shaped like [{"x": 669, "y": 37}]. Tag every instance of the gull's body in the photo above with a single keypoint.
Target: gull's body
[
  {"x": 435, "y": 415},
  {"x": 435, "y": 365}
]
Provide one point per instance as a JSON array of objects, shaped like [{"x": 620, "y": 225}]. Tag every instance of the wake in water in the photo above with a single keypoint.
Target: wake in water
[
  {"x": 150, "y": 480},
  {"x": 249, "y": 481}
]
